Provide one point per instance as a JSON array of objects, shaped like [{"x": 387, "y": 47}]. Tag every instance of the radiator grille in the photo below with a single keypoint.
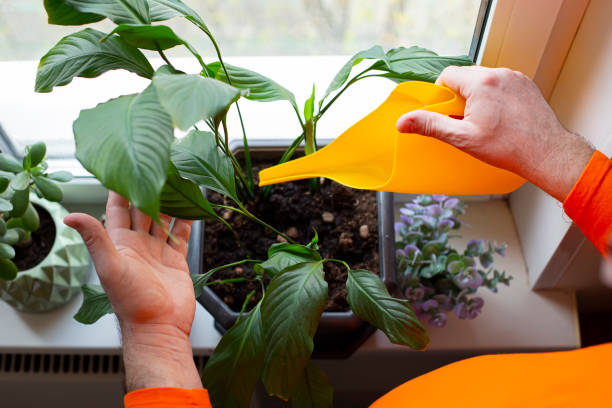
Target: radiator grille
[{"x": 99, "y": 364}]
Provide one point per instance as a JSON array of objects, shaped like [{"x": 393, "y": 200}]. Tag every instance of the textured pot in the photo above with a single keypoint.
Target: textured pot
[
  {"x": 59, "y": 277},
  {"x": 339, "y": 333}
]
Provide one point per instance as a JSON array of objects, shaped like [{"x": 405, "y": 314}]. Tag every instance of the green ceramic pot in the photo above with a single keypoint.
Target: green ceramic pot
[{"x": 59, "y": 277}]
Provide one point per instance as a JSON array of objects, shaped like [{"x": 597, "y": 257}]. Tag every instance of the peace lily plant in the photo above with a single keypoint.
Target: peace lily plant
[{"x": 128, "y": 144}]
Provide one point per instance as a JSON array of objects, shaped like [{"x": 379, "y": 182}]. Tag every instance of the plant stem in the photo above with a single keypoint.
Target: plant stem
[
  {"x": 161, "y": 53},
  {"x": 348, "y": 268},
  {"x": 231, "y": 280},
  {"x": 242, "y": 210},
  {"x": 349, "y": 83}
]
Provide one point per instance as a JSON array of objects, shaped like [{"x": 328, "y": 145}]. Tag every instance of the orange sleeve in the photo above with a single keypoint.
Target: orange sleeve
[
  {"x": 166, "y": 397},
  {"x": 589, "y": 203},
  {"x": 578, "y": 378}
]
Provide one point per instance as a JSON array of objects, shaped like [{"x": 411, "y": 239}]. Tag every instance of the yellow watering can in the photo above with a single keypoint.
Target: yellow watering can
[{"x": 373, "y": 155}]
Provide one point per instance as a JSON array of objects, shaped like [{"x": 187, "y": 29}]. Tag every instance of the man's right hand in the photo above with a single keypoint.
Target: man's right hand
[{"x": 507, "y": 123}]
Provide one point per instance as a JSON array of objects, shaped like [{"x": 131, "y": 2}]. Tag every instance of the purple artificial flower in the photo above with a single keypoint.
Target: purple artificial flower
[
  {"x": 414, "y": 295},
  {"x": 439, "y": 197},
  {"x": 501, "y": 250},
  {"x": 438, "y": 319},
  {"x": 427, "y": 220},
  {"x": 412, "y": 251},
  {"x": 475, "y": 247},
  {"x": 399, "y": 226},
  {"x": 406, "y": 211},
  {"x": 469, "y": 309},
  {"x": 428, "y": 305},
  {"x": 422, "y": 199},
  {"x": 445, "y": 302},
  {"x": 469, "y": 278},
  {"x": 445, "y": 225},
  {"x": 451, "y": 203},
  {"x": 400, "y": 252},
  {"x": 406, "y": 220},
  {"x": 461, "y": 310},
  {"x": 434, "y": 210}
]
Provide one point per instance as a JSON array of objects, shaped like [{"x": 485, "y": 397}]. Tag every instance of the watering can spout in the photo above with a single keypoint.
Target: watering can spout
[{"x": 373, "y": 155}]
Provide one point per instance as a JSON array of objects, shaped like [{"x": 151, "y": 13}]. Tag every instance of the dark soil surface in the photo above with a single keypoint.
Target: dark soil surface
[
  {"x": 29, "y": 256},
  {"x": 293, "y": 209}
]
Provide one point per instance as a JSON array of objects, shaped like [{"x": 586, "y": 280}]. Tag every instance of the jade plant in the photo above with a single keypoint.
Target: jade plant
[
  {"x": 432, "y": 275},
  {"x": 128, "y": 144},
  {"x": 18, "y": 217}
]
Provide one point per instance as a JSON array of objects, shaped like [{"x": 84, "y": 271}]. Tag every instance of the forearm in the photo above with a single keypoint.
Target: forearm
[{"x": 158, "y": 356}]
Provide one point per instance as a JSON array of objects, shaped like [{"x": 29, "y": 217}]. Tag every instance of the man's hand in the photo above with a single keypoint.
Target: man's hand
[
  {"x": 507, "y": 124},
  {"x": 146, "y": 278}
]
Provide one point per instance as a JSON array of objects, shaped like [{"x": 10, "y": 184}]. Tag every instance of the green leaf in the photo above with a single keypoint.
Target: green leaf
[
  {"x": 165, "y": 9},
  {"x": 149, "y": 37},
  {"x": 118, "y": 11},
  {"x": 6, "y": 251},
  {"x": 48, "y": 189},
  {"x": 8, "y": 270},
  {"x": 291, "y": 311},
  {"x": 182, "y": 198},
  {"x": 5, "y": 205},
  {"x": 376, "y": 52},
  {"x": 95, "y": 305},
  {"x": 7, "y": 163},
  {"x": 19, "y": 201},
  {"x": 21, "y": 181},
  {"x": 2, "y": 226},
  {"x": 370, "y": 301},
  {"x": 60, "y": 13},
  {"x": 261, "y": 88},
  {"x": 283, "y": 255},
  {"x": 82, "y": 54},
  {"x": 191, "y": 98},
  {"x": 198, "y": 158},
  {"x": 234, "y": 368},
  {"x": 4, "y": 183},
  {"x": 12, "y": 236},
  {"x": 314, "y": 390},
  {"x": 309, "y": 106},
  {"x": 61, "y": 176},
  {"x": 417, "y": 64},
  {"x": 125, "y": 143},
  {"x": 37, "y": 153},
  {"x": 30, "y": 218}
]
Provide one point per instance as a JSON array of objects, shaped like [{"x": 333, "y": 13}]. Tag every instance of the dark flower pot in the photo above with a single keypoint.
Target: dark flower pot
[{"x": 340, "y": 333}]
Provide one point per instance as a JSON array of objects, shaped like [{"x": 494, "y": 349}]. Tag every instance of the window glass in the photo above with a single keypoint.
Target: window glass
[{"x": 242, "y": 28}]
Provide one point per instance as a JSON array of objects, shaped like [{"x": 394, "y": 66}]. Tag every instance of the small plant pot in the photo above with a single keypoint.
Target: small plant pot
[
  {"x": 339, "y": 333},
  {"x": 58, "y": 277}
]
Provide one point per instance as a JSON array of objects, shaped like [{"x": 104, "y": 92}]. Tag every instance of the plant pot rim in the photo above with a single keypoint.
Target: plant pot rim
[{"x": 330, "y": 321}]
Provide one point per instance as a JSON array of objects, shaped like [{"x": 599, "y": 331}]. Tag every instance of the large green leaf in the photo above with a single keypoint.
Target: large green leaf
[
  {"x": 370, "y": 301},
  {"x": 376, "y": 52},
  {"x": 291, "y": 311},
  {"x": 8, "y": 270},
  {"x": 149, "y": 37},
  {"x": 95, "y": 305},
  {"x": 417, "y": 64},
  {"x": 314, "y": 390},
  {"x": 125, "y": 143},
  {"x": 191, "y": 98},
  {"x": 82, "y": 54},
  {"x": 61, "y": 13},
  {"x": 182, "y": 198},
  {"x": 261, "y": 88},
  {"x": 165, "y": 9},
  {"x": 283, "y": 255},
  {"x": 198, "y": 158},
  {"x": 119, "y": 11},
  {"x": 234, "y": 368}
]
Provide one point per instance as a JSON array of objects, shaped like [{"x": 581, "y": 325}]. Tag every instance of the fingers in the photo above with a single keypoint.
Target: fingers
[
  {"x": 140, "y": 221},
  {"x": 161, "y": 231},
  {"x": 117, "y": 212},
  {"x": 99, "y": 244},
  {"x": 460, "y": 79},
  {"x": 181, "y": 231},
  {"x": 449, "y": 130}
]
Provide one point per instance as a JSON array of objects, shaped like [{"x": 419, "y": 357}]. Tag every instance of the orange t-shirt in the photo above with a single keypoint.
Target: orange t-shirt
[{"x": 565, "y": 379}]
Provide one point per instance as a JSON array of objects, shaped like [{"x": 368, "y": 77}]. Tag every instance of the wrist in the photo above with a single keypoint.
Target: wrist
[
  {"x": 560, "y": 169},
  {"x": 157, "y": 355}
]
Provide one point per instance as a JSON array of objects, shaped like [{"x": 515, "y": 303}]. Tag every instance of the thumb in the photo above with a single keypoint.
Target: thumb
[
  {"x": 434, "y": 125},
  {"x": 101, "y": 248}
]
